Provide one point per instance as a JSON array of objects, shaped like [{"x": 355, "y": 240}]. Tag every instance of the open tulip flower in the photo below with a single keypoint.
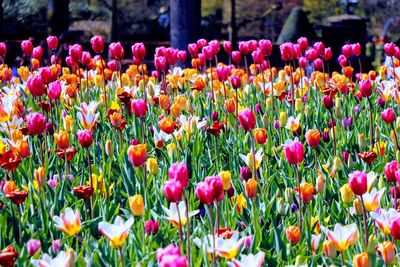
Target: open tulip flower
[
  {"x": 117, "y": 232},
  {"x": 212, "y": 155}
]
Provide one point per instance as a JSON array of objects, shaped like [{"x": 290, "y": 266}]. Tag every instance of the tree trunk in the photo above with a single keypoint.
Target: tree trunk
[
  {"x": 185, "y": 22},
  {"x": 114, "y": 22},
  {"x": 234, "y": 29},
  {"x": 58, "y": 16}
]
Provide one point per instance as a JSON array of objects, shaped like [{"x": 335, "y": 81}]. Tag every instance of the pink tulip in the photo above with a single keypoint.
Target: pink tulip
[
  {"x": 75, "y": 52},
  {"x": 182, "y": 56},
  {"x": 223, "y": 73},
  {"x": 302, "y": 62},
  {"x": 171, "y": 55},
  {"x": 56, "y": 246},
  {"x": 139, "y": 108},
  {"x": 173, "y": 190},
  {"x": 202, "y": 43},
  {"x": 235, "y": 81},
  {"x": 208, "y": 52},
  {"x": 139, "y": 51},
  {"x": 193, "y": 50},
  {"x": 287, "y": 51},
  {"x": 311, "y": 54},
  {"x": 358, "y": 182},
  {"x": 236, "y": 57},
  {"x": 297, "y": 53},
  {"x": 395, "y": 229},
  {"x": 388, "y": 115},
  {"x": 252, "y": 45},
  {"x": 328, "y": 54},
  {"x": 36, "y": 85},
  {"x": 244, "y": 48},
  {"x": 161, "y": 51},
  {"x": 112, "y": 65},
  {"x": 390, "y": 49},
  {"x": 227, "y": 47},
  {"x": 151, "y": 227},
  {"x": 86, "y": 58},
  {"x": 328, "y": 102},
  {"x": 365, "y": 88},
  {"x": 37, "y": 52},
  {"x": 294, "y": 152},
  {"x": 168, "y": 250},
  {"x": 36, "y": 123},
  {"x": 52, "y": 42},
  {"x": 303, "y": 42},
  {"x": 390, "y": 170},
  {"x": 342, "y": 61},
  {"x": 265, "y": 47},
  {"x": 318, "y": 64},
  {"x": 3, "y": 49},
  {"x": 215, "y": 45},
  {"x": 347, "y": 50},
  {"x": 179, "y": 172},
  {"x": 33, "y": 246},
  {"x": 356, "y": 49},
  {"x": 97, "y": 43},
  {"x": 258, "y": 56},
  {"x": 116, "y": 51},
  {"x": 85, "y": 138},
  {"x": 27, "y": 47},
  {"x": 54, "y": 90},
  {"x": 247, "y": 119},
  {"x": 47, "y": 75},
  {"x": 320, "y": 48},
  {"x": 216, "y": 185},
  {"x": 160, "y": 64}
]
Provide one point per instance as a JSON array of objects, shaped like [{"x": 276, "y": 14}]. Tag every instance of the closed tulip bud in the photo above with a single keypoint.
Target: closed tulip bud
[
  {"x": 36, "y": 86},
  {"x": 361, "y": 141},
  {"x": 361, "y": 260},
  {"x": 27, "y": 47},
  {"x": 3, "y": 49},
  {"x": 173, "y": 190},
  {"x": 247, "y": 119},
  {"x": 251, "y": 188},
  {"x": 390, "y": 49},
  {"x": 245, "y": 173},
  {"x": 109, "y": 148},
  {"x": 139, "y": 51},
  {"x": 33, "y": 246},
  {"x": 306, "y": 191},
  {"x": 356, "y": 49},
  {"x": 280, "y": 206},
  {"x": 152, "y": 165},
  {"x": 260, "y": 135},
  {"x": 387, "y": 251},
  {"x": 293, "y": 234},
  {"x": 56, "y": 246},
  {"x": 298, "y": 105},
  {"x": 282, "y": 119},
  {"x": 288, "y": 195},
  {"x": 36, "y": 123},
  {"x": 329, "y": 249},
  {"x": 136, "y": 204},
  {"x": 227, "y": 47},
  {"x": 68, "y": 123},
  {"x": 388, "y": 115},
  {"x": 320, "y": 183},
  {"x": 346, "y": 193},
  {"x": 390, "y": 170},
  {"x": 337, "y": 164},
  {"x": 116, "y": 51},
  {"x": 265, "y": 120},
  {"x": 236, "y": 57},
  {"x": 226, "y": 179},
  {"x": 97, "y": 43},
  {"x": 306, "y": 110},
  {"x": 357, "y": 206},
  {"x": 85, "y": 138},
  {"x": 40, "y": 176},
  {"x": 54, "y": 90},
  {"x": 328, "y": 101},
  {"x": 171, "y": 150}
]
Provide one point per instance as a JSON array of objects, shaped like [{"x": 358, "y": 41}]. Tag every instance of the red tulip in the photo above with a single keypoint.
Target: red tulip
[
  {"x": 358, "y": 182},
  {"x": 294, "y": 152},
  {"x": 235, "y": 81},
  {"x": 395, "y": 229},
  {"x": 328, "y": 102},
  {"x": 173, "y": 190},
  {"x": 36, "y": 123},
  {"x": 388, "y": 115},
  {"x": 247, "y": 119},
  {"x": 85, "y": 138},
  {"x": 203, "y": 193},
  {"x": 302, "y": 62},
  {"x": 97, "y": 43}
]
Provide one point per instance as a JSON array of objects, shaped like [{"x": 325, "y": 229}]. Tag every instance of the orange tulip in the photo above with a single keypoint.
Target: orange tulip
[
  {"x": 62, "y": 139},
  {"x": 163, "y": 100},
  {"x": 260, "y": 135},
  {"x": 361, "y": 260},
  {"x": 387, "y": 251},
  {"x": 22, "y": 148},
  {"x": 137, "y": 154},
  {"x": 230, "y": 105},
  {"x": 251, "y": 188},
  {"x": 307, "y": 191},
  {"x": 167, "y": 125},
  {"x": 329, "y": 249},
  {"x": 313, "y": 137},
  {"x": 293, "y": 234}
]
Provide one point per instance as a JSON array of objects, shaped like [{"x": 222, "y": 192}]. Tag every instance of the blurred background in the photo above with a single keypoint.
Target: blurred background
[{"x": 179, "y": 22}]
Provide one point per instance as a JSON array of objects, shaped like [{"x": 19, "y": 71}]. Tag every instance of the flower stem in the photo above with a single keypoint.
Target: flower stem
[
  {"x": 91, "y": 184},
  {"x": 187, "y": 228},
  {"x": 395, "y": 137},
  {"x": 254, "y": 156},
  {"x": 210, "y": 215},
  {"x": 371, "y": 124},
  {"x": 333, "y": 133},
  {"x": 365, "y": 221},
  {"x": 300, "y": 200},
  {"x": 180, "y": 229},
  {"x": 121, "y": 257}
]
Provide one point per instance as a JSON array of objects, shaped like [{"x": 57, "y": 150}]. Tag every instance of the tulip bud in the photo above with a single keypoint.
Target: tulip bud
[
  {"x": 136, "y": 204},
  {"x": 361, "y": 142},
  {"x": 387, "y": 251},
  {"x": 288, "y": 195},
  {"x": 265, "y": 120},
  {"x": 361, "y": 260},
  {"x": 226, "y": 179},
  {"x": 298, "y": 105},
  {"x": 33, "y": 246},
  {"x": 282, "y": 119},
  {"x": 320, "y": 183},
  {"x": 293, "y": 234},
  {"x": 251, "y": 188},
  {"x": 109, "y": 148},
  {"x": 56, "y": 246},
  {"x": 280, "y": 206},
  {"x": 357, "y": 205},
  {"x": 173, "y": 190},
  {"x": 329, "y": 249},
  {"x": 152, "y": 166}
]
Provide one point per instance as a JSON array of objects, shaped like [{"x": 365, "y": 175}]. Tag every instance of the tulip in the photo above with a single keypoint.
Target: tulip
[
  {"x": 287, "y": 51},
  {"x": 139, "y": 51},
  {"x": 294, "y": 152},
  {"x": 327, "y": 54},
  {"x": 151, "y": 227},
  {"x": 388, "y": 252},
  {"x": 320, "y": 48},
  {"x": 293, "y": 234},
  {"x": 260, "y": 135},
  {"x": 37, "y": 52},
  {"x": 347, "y": 50},
  {"x": 160, "y": 64},
  {"x": 56, "y": 246},
  {"x": 27, "y": 47},
  {"x": 173, "y": 190},
  {"x": 227, "y": 47},
  {"x": 182, "y": 56},
  {"x": 69, "y": 222},
  {"x": 137, "y": 154},
  {"x": 388, "y": 115},
  {"x": 365, "y": 88},
  {"x": 235, "y": 81},
  {"x": 311, "y": 54},
  {"x": 116, "y": 51},
  {"x": 302, "y": 62},
  {"x": 86, "y": 59},
  {"x": 346, "y": 193},
  {"x": 342, "y": 61},
  {"x": 258, "y": 56},
  {"x": 85, "y": 138},
  {"x": 307, "y": 191},
  {"x": 75, "y": 52},
  {"x": 236, "y": 57},
  {"x": 342, "y": 237},
  {"x": 54, "y": 90},
  {"x": 193, "y": 50},
  {"x": 226, "y": 179},
  {"x": 313, "y": 137},
  {"x": 251, "y": 188},
  {"x": 390, "y": 171},
  {"x": 361, "y": 260},
  {"x": 390, "y": 49},
  {"x": 117, "y": 232},
  {"x": 36, "y": 123},
  {"x": 179, "y": 172},
  {"x": 33, "y": 246},
  {"x": 36, "y": 85},
  {"x": 247, "y": 119},
  {"x": 329, "y": 249},
  {"x": 358, "y": 182},
  {"x": 356, "y": 49},
  {"x": 328, "y": 101},
  {"x": 152, "y": 166},
  {"x": 139, "y": 108},
  {"x": 136, "y": 204},
  {"x": 3, "y": 49}
]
